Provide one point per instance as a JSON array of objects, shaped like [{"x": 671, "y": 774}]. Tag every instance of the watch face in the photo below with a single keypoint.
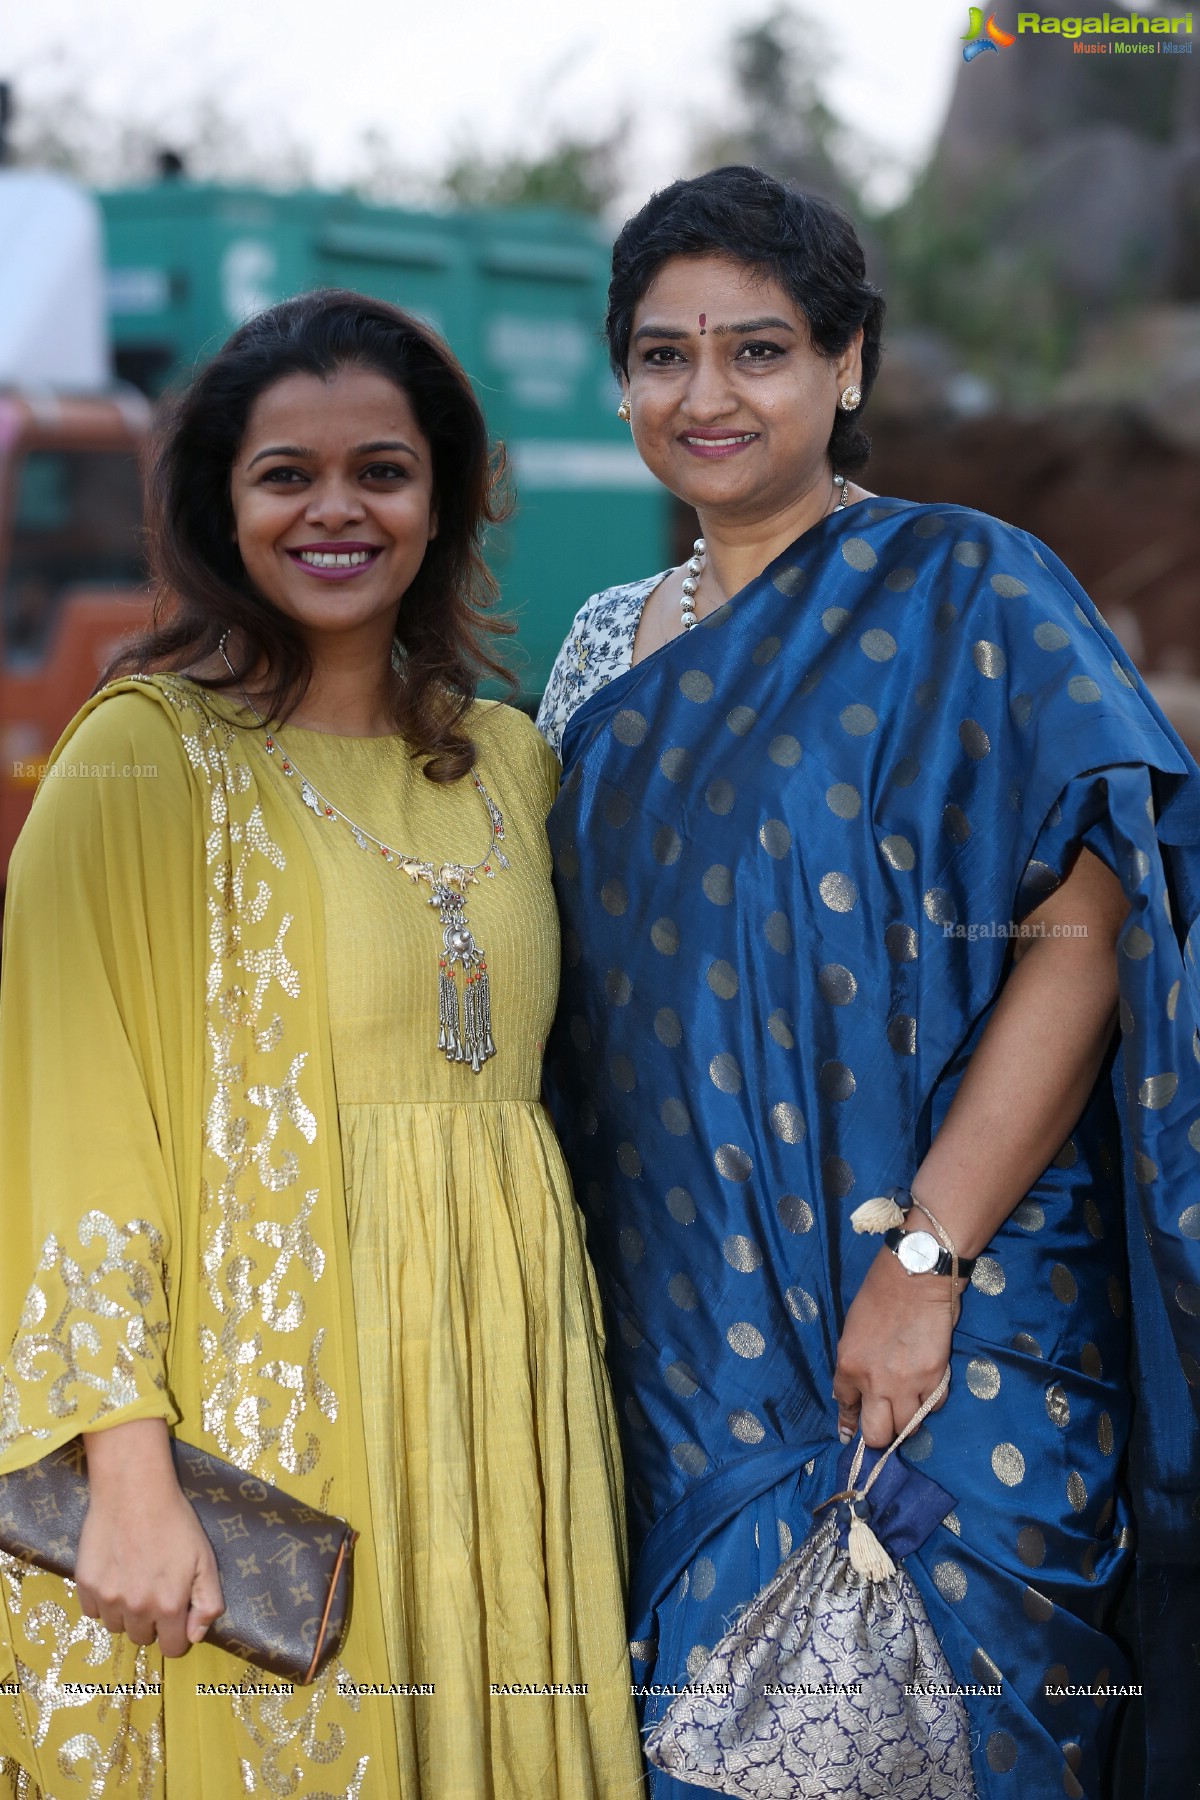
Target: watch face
[{"x": 918, "y": 1251}]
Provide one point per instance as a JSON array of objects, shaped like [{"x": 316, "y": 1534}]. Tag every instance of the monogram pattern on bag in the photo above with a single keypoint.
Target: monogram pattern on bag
[{"x": 275, "y": 1594}]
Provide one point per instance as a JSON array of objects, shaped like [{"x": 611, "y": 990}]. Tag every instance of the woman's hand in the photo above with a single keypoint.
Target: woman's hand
[
  {"x": 893, "y": 1351},
  {"x": 144, "y": 1567}
]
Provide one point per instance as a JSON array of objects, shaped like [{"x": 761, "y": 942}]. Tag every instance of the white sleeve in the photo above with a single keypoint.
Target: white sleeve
[
  {"x": 564, "y": 689},
  {"x": 599, "y": 648}
]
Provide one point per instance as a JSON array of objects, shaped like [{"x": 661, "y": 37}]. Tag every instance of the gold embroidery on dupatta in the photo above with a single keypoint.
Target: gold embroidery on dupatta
[
  {"x": 293, "y": 1240},
  {"x": 282, "y": 1103},
  {"x": 261, "y": 1384},
  {"x": 67, "y": 1322},
  {"x": 21, "y": 1786},
  {"x": 255, "y": 1130},
  {"x": 125, "y": 1743},
  {"x": 279, "y": 1739}
]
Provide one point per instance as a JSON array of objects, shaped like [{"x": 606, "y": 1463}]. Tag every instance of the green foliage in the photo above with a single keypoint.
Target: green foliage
[
  {"x": 57, "y": 125},
  {"x": 995, "y": 301},
  {"x": 577, "y": 173},
  {"x": 781, "y": 120}
]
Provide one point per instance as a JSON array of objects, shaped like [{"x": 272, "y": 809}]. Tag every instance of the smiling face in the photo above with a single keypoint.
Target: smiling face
[
  {"x": 332, "y": 492},
  {"x": 731, "y": 405}
]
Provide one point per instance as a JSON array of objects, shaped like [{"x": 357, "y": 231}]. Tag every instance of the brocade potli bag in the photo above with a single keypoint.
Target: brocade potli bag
[{"x": 831, "y": 1684}]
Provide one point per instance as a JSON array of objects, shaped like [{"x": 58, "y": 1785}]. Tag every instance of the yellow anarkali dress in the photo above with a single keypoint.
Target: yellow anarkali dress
[{"x": 244, "y": 1192}]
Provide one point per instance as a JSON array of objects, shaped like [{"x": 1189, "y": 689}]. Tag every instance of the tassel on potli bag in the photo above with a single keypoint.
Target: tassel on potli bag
[{"x": 808, "y": 1696}]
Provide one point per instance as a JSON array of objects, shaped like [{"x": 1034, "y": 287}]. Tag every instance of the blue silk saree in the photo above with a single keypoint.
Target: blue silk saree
[{"x": 789, "y": 849}]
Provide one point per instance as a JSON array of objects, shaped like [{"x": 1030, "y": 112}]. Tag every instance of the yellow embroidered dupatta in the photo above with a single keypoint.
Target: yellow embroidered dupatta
[{"x": 175, "y": 1240}]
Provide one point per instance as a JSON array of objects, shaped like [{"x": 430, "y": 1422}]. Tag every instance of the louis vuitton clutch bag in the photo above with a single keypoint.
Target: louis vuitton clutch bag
[{"x": 285, "y": 1567}]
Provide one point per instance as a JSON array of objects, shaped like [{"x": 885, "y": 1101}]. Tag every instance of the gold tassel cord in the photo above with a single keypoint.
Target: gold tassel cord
[{"x": 867, "y": 1554}]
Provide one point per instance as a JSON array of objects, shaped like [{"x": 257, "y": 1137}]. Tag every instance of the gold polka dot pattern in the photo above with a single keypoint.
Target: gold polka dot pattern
[
  {"x": 950, "y": 1580},
  {"x": 987, "y": 1277},
  {"x": 742, "y": 1253},
  {"x": 879, "y": 645},
  {"x": 802, "y": 1306},
  {"x": 858, "y": 720},
  {"x": 746, "y": 1427},
  {"x": 795, "y": 1214},
  {"x": 898, "y": 852},
  {"x": 722, "y": 978},
  {"x": 989, "y": 659},
  {"x": 859, "y": 554},
  {"x": 838, "y": 891},
  {"x": 784, "y": 751},
  {"x": 983, "y": 1378},
  {"x": 1008, "y": 1465},
  {"x": 1001, "y": 1752},
  {"x": 787, "y": 1122},
  {"x": 696, "y": 686},
  {"x": 843, "y": 800},
  {"x": 733, "y": 1162},
  {"x": 838, "y": 986},
  {"x": 1036, "y": 1607},
  {"x": 745, "y": 1340},
  {"x": 1063, "y": 1284},
  {"x": 717, "y": 884}
]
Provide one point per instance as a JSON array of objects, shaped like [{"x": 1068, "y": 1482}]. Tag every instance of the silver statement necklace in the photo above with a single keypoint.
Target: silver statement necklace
[
  {"x": 464, "y": 1030},
  {"x": 695, "y": 564}
]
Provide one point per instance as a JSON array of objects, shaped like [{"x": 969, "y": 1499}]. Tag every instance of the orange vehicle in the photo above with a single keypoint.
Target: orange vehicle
[{"x": 72, "y": 580}]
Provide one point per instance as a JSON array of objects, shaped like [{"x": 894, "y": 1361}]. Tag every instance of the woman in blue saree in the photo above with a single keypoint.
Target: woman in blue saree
[{"x": 867, "y": 829}]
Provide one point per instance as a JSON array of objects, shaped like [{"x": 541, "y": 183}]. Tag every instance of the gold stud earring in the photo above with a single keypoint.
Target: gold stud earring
[
  {"x": 623, "y": 409},
  {"x": 850, "y": 397}
]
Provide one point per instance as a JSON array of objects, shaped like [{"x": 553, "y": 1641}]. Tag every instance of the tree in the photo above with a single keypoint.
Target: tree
[
  {"x": 578, "y": 173},
  {"x": 782, "y": 120},
  {"x": 571, "y": 171},
  {"x": 57, "y": 126}
]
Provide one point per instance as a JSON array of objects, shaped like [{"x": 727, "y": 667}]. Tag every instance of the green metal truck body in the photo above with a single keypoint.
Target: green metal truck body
[{"x": 519, "y": 295}]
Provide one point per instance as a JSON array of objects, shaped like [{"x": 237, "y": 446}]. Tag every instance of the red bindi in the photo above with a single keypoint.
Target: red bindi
[{"x": 703, "y": 317}]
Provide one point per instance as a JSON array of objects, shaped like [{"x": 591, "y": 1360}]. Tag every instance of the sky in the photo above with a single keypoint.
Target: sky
[{"x": 428, "y": 76}]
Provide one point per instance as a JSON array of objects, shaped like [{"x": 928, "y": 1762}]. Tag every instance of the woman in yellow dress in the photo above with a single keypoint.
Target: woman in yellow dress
[{"x": 275, "y": 1169}]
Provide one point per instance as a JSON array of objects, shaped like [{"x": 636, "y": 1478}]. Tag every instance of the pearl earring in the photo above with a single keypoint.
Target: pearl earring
[
  {"x": 850, "y": 397},
  {"x": 623, "y": 410}
]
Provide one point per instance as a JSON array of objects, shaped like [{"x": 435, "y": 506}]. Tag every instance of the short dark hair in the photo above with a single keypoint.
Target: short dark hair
[
  {"x": 444, "y": 633},
  {"x": 806, "y": 244}
]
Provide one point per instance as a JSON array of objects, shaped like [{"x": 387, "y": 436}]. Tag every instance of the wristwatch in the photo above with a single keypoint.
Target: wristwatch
[{"x": 919, "y": 1253}]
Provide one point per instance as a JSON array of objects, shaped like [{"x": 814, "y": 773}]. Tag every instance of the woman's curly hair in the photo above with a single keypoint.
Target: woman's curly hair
[{"x": 445, "y": 624}]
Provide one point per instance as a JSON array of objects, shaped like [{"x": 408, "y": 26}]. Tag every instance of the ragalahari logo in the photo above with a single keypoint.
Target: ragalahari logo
[{"x": 983, "y": 37}]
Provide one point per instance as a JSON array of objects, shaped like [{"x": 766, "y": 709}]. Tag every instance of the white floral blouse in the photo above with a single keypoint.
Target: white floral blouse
[{"x": 598, "y": 648}]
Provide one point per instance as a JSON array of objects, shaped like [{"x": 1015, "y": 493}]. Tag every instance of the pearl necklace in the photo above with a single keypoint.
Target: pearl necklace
[
  {"x": 464, "y": 1033},
  {"x": 695, "y": 564}
]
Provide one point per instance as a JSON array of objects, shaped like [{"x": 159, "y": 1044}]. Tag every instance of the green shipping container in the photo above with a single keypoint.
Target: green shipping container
[{"x": 519, "y": 295}]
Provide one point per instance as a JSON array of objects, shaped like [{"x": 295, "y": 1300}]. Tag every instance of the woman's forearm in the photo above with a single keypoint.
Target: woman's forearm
[
  {"x": 1023, "y": 1090},
  {"x": 145, "y": 1566},
  {"x": 1027, "y": 1082},
  {"x": 135, "y": 1453}
]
